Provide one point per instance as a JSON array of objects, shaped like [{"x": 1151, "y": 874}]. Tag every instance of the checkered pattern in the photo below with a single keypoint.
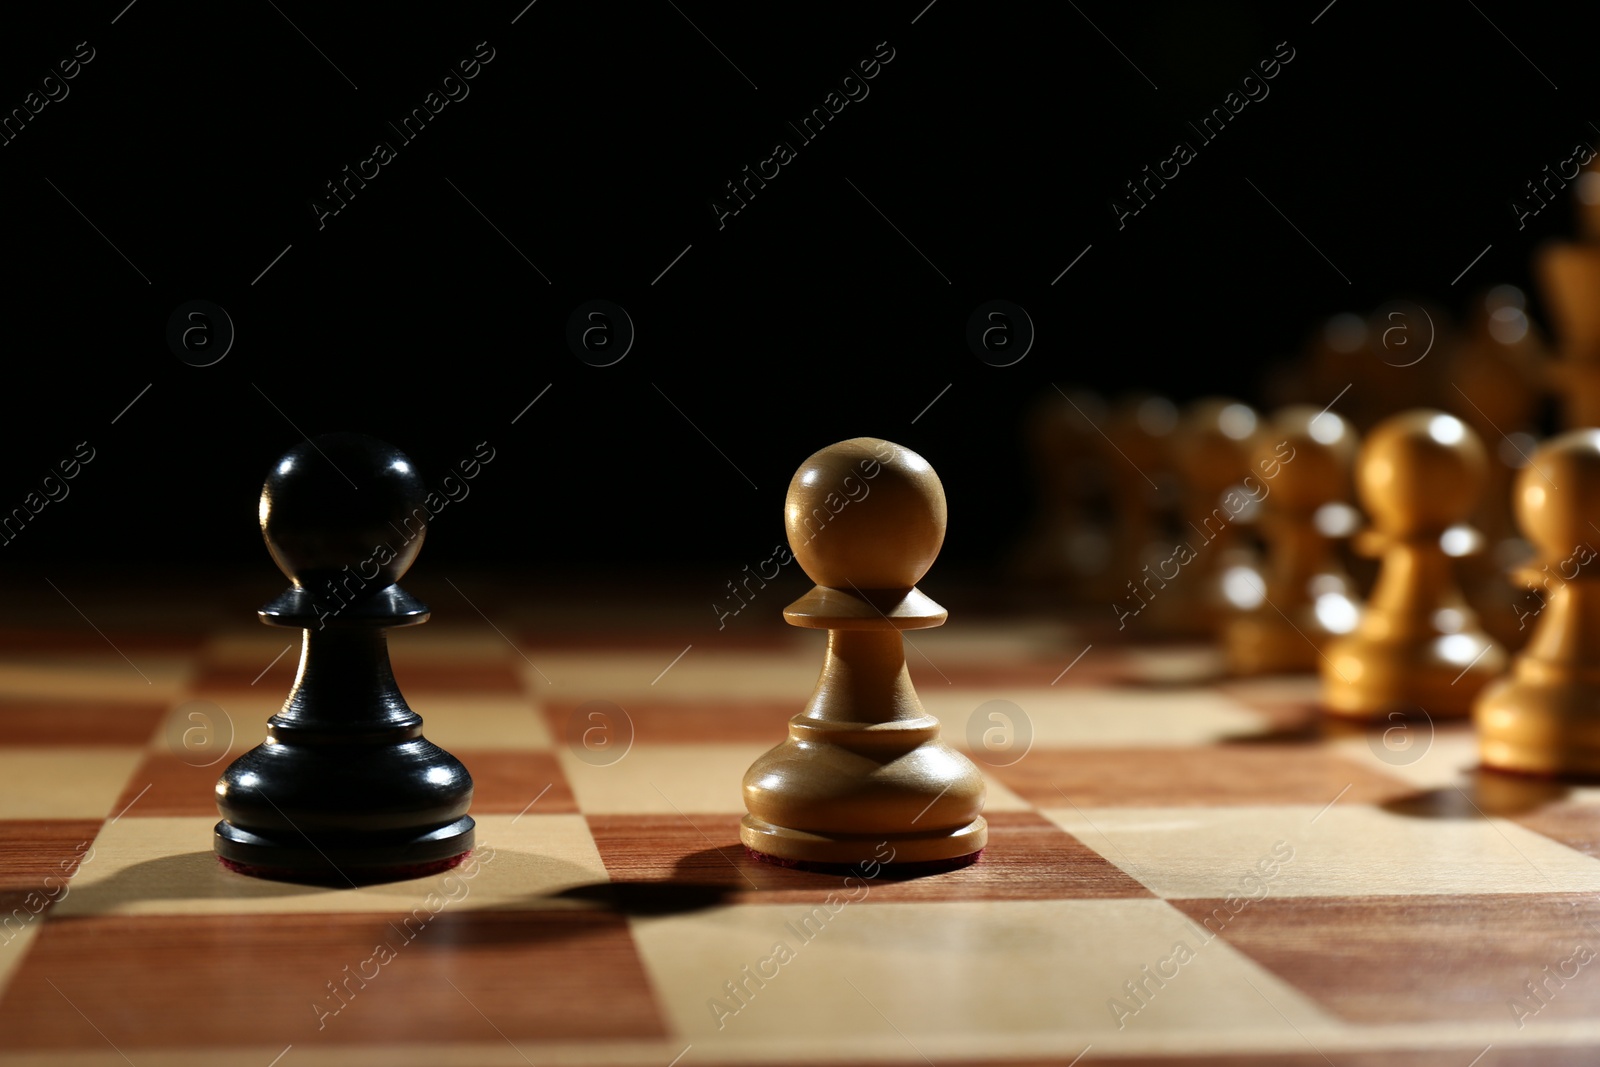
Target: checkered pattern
[{"x": 1180, "y": 870}]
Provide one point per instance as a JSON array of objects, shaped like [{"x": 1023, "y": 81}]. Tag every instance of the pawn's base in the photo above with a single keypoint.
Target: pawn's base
[
  {"x": 1264, "y": 642},
  {"x": 1541, "y": 726},
  {"x": 359, "y": 861},
  {"x": 890, "y": 871},
  {"x": 813, "y": 847},
  {"x": 1365, "y": 678}
]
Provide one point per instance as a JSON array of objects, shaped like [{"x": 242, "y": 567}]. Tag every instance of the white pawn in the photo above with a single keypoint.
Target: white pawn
[
  {"x": 1544, "y": 717},
  {"x": 1418, "y": 645},
  {"x": 1301, "y": 472},
  {"x": 863, "y": 766}
]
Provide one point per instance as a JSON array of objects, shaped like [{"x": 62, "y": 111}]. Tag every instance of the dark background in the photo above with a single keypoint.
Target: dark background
[{"x": 594, "y": 142}]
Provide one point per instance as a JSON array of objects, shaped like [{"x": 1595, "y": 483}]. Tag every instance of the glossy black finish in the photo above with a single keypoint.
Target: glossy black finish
[{"x": 345, "y": 788}]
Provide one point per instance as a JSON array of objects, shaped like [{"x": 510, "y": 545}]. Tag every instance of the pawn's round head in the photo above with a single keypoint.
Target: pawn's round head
[
  {"x": 1557, "y": 494},
  {"x": 1420, "y": 472},
  {"x": 343, "y": 500},
  {"x": 1140, "y": 428},
  {"x": 1306, "y": 454},
  {"x": 1213, "y": 443},
  {"x": 865, "y": 513}
]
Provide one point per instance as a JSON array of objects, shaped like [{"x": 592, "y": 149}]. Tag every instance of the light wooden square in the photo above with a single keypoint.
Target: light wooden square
[
  {"x": 1339, "y": 850},
  {"x": 1102, "y": 716},
  {"x": 63, "y": 783},
  {"x": 663, "y": 779},
  {"x": 881, "y": 975}
]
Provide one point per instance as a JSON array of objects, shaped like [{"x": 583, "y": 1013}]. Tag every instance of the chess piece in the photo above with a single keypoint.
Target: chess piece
[
  {"x": 1544, "y": 716},
  {"x": 1212, "y": 450},
  {"x": 1302, "y": 464},
  {"x": 1391, "y": 375},
  {"x": 1496, "y": 374},
  {"x": 1338, "y": 354},
  {"x": 1569, "y": 275},
  {"x": 1418, "y": 644},
  {"x": 345, "y": 789},
  {"x": 1068, "y": 552},
  {"x": 863, "y": 765},
  {"x": 1494, "y": 379},
  {"x": 1137, "y": 449}
]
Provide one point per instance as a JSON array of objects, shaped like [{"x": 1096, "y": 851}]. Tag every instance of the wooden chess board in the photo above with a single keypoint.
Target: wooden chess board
[{"x": 1181, "y": 870}]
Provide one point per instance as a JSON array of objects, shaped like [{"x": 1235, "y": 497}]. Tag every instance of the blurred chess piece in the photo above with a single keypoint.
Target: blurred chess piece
[
  {"x": 1338, "y": 355},
  {"x": 1495, "y": 378},
  {"x": 1343, "y": 367},
  {"x": 1137, "y": 451},
  {"x": 1418, "y": 645},
  {"x": 1569, "y": 277},
  {"x": 1068, "y": 549},
  {"x": 1303, "y": 458},
  {"x": 1286, "y": 380},
  {"x": 1212, "y": 451},
  {"x": 1377, "y": 365},
  {"x": 1405, "y": 343},
  {"x": 1544, "y": 717}
]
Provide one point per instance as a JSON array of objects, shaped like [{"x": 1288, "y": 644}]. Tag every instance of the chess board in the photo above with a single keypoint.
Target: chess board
[{"x": 1181, "y": 869}]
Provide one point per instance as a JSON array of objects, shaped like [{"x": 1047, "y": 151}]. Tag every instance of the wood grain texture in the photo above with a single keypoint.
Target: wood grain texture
[
  {"x": 36, "y": 849},
  {"x": 229, "y": 980},
  {"x": 1425, "y": 958},
  {"x": 38, "y": 721},
  {"x": 1575, "y": 824},
  {"x": 1027, "y": 858},
  {"x": 1266, "y": 773},
  {"x": 560, "y": 946},
  {"x": 678, "y": 722}
]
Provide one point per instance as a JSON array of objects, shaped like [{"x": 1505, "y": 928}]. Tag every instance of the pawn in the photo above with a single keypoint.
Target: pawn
[
  {"x": 345, "y": 790},
  {"x": 1137, "y": 449},
  {"x": 1338, "y": 353},
  {"x": 1497, "y": 375},
  {"x": 1569, "y": 273},
  {"x": 1301, "y": 464},
  {"x": 1418, "y": 645},
  {"x": 1068, "y": 553},
  {"x": 1543, "y": 717},
  {"x": 1212, "y": 450},
  {"x": 863, "y": 767}
]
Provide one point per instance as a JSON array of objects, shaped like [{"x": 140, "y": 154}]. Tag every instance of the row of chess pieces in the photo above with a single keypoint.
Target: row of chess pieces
[
  {"x": 1147, "y": 464},
  {"x": 1460, "y": 586}
]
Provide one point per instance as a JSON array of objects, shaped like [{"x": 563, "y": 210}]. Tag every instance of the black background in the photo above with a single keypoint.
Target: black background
[{"x": 1390, "y": 148}]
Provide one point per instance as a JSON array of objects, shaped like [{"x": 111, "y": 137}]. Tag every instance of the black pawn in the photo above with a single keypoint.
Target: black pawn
[{"x": 345, "y": 790}]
